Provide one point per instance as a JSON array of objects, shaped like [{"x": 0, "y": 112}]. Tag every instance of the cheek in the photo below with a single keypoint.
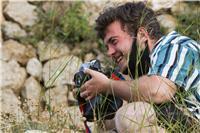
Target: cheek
[{"x": 126, "y": 48}]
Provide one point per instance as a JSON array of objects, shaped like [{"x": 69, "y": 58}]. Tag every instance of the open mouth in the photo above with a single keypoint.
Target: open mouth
[{"x": 118, "y": 59}]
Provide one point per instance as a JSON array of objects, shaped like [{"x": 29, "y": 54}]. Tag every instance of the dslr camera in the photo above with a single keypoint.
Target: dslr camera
[{"x": 102, "y": 106}]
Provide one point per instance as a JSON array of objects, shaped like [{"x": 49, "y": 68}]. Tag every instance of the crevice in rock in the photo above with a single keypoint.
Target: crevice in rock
[{"x": 8, "y": 18}]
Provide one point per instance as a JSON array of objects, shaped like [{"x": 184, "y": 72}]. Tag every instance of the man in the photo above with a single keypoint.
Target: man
[{"x": 173, "y": 76}]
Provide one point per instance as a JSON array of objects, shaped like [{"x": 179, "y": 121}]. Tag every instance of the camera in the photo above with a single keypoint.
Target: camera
[
  {"x": 102, "y": 106},
  {"x": 80, "y": 77}
]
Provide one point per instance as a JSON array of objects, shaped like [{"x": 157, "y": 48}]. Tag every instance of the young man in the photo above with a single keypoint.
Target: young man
[{"x": 132, "y": 31}]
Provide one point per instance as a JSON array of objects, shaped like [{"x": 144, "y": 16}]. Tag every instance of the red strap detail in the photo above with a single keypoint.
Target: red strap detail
[
  {"x": 113, "y": 76},
  {"x": 87, "y": 130},
  {"x": 81, "y": 107}
]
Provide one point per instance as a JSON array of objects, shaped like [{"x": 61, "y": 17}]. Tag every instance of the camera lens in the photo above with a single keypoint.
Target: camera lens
[{"x": 78, "y": 78}]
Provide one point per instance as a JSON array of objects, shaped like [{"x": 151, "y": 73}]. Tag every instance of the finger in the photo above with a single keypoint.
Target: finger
[
  {"x": 89, "y": 97},
  {"x": 72, "y": 84},
  {"x": 75, "y": 92},
  {"x": 86, "y": 85},
  {"x": 83, "y": 87},
  {"x": 84, "y": 94},
  {"x": 89, "y": 71}
]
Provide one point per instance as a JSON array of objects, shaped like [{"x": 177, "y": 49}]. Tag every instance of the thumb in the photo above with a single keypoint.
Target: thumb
[{"x": 89, "y": 71}]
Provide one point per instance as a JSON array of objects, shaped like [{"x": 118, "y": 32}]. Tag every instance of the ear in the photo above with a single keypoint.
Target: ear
[{"x": 142, "y": 36}]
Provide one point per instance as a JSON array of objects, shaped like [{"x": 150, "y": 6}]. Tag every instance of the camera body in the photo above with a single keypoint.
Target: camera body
[{"x": 103, "y": 106}]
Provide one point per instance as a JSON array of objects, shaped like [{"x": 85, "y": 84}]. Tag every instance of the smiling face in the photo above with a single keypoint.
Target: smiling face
[{"x": 118, "y": 43}]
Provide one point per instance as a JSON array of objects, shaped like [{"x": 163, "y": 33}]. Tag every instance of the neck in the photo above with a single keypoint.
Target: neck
[{"x": 151, "y": 43}]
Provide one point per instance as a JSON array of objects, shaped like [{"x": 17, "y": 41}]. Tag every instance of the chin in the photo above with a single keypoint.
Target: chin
[
  {"x": 122, "y": 65},
  {"x": 122, "y": 68}
]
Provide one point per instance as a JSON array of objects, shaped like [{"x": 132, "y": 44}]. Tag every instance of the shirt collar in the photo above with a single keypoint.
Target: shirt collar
[
  {"x": 158, "y": 42},
  {"x": 162, "y": 38}
]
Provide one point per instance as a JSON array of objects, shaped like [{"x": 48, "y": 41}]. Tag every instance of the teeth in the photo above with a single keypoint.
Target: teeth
[{"x": 119, "y": 59}]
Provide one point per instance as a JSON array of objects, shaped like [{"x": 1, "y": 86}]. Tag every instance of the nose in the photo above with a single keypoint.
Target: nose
[{"x": 111, "y": 50}]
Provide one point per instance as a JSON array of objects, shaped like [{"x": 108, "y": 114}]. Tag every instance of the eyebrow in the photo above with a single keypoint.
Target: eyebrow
[{"x": 110, "y": 39}]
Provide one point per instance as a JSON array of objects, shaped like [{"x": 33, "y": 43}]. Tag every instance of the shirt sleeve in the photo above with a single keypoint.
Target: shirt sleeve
[{"x": 176, "y": 63}]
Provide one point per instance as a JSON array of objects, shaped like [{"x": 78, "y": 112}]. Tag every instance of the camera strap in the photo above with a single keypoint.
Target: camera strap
[
  {"x": 117, "y": 76},
  {"x": 81, "y": 107}
]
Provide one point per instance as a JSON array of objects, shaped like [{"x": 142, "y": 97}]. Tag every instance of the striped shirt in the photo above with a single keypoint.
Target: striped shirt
[{"x": 177, "y": 58}]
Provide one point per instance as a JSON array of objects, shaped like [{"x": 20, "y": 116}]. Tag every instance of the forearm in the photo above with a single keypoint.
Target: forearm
[
  {"x": 154, "y": 89},
  {"x": 127, "y": 90}
]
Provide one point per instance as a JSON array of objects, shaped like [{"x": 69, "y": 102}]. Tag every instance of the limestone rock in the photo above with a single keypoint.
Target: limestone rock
[
  {"x": 71, "y": 99},
  {"x": 34, "y": 68},
  {"x": 22, "y": 12},
  {"x": 51, "y": 50},
  {"x": 44, "y": 116},
  {"x": 60, "y": 71},
  {"x": 76, "y": 51},
  {"x": 92, "y": 10},
  {"x": 1, "y": 40},
  {"x": 76, "y": 119},
  {"x": 13, "y": 76},
  {"x": 162, "y": 4},
  {"x": 89, "y": 57},
  {"x": 32, "y": 94},
  {"x": 57, "y": 97},
  {"x": 168, "y": 22},
  {"x": 101, "y": 57},
  {"x": 4, "y": 4},
  {"x": 13, "y": 50},
  {"x": 75, "y": 116},
  {"x": 58, "y": 6},
  {"x": 2, "y": 20},
  {"x": 10, "y": 105},
  {"x": 94, "y": 7},
  {"x": 182, "y": 8},
  {"x": 12, "y": 30},
  {"x": 35, "y": 131}
]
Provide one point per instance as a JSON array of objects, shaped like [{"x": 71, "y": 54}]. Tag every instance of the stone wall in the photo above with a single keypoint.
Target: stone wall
[{"x": 31, "y": 76}]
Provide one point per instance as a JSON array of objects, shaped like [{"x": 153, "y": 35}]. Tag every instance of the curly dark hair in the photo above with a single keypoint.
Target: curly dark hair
[{"x": 131, "y": 16}]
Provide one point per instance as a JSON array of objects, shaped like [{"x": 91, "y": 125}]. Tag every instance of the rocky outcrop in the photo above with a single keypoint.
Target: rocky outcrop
[
  {"x": 34, "y": 68},
  {"x": 57, "y": 6},
  {"x": 21, "y": 12},
  {"x": 13, "y": 30},
  {"x": 14, "y": 50},
  {"x": 89, "y": 57},
  {"x": 170, "y": 24},
  {"x": 47, "y": 51},
  {"x": 35, "y": 131},
  {"x": 56, "y": 98},
  {"x": 162, "y": 4},
  {"x": 10, "y": 105},
  {"x": 75, "y": 116},
  {"x": 60, "y": 71},
  {"x": 32, "y": 95},
  {"x": 13, "y": 76},
  {"x": 181, "y": 8}
]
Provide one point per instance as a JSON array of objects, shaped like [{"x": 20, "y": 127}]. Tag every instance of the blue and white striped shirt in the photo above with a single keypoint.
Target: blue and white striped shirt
[{"x": 177, "y": 58}]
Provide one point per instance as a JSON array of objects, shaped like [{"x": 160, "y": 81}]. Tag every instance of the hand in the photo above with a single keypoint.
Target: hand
[{"x": 99, "y": 83}]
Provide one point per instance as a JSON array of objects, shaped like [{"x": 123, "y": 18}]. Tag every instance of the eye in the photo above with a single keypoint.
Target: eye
[{"x": 114, "y": 42}]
